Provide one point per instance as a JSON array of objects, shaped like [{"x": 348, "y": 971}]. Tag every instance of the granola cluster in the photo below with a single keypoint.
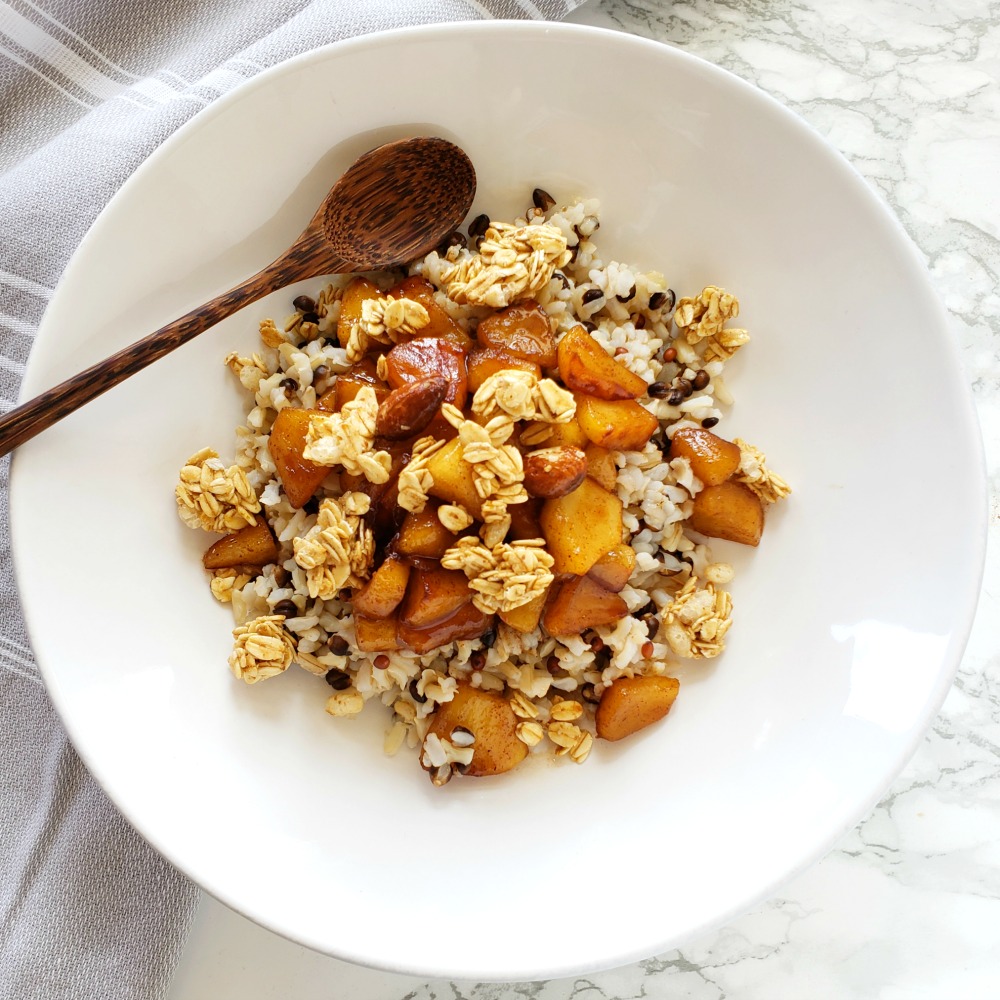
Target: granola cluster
[
  {"x": 214, "y": 497},
  {"x": 523, "y": 396},
  {"x": 262, "y": 649},
  {"x": 703, "y": 318},
  {"x": 753, "y": 471},
  {"x": 697, "y": 619},
  {"x": 505, "y": 576},
  {"x": 346, "y": 439},
  {"x": 384, "y": 321},
  {"x": 337, "y": 551},
  {"x": 513, "y": 262}
]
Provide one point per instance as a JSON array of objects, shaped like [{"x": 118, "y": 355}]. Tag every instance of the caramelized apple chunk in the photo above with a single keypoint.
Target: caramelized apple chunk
[
  {"x": 730, "y": 510},
  {"x": 522, "y": 330},
  {"x": 385, "y": 588},
  {"x": 299, "y": 477},
  {"x": 486, "y": 361},
  {"x": 467, "y": 622},
  {"x": 585, "y": 366},
  {"x": 713, "y": 459},
  {"x": 357, "y": 292},
  {"x": 253, "y": 545},
  {"x": 618, "y": 425},
  {"x": 492, "y": 723},
  {"x": 440, "y": 324},
  {"x": 581, "y": 527},
  {"x": 350, "y": 383},
  {"x": 432, "y": 595},
  {"x": 376, "y": 635},
  {"x": 613, "y": 569},
  {"x": 582, "y": 603},
  {"x": 453, "y": 478},
  {"x": 632, "y": 703},
  {"x": 423, "y": 534}
]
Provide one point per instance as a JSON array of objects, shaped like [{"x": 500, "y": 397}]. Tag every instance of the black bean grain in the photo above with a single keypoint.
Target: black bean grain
[
  {"x": 338, "y": 645},
  {"x": 542, "y": 199},
  {"x": 478, "y": 226},
  {"x": 304, "y": 304}
]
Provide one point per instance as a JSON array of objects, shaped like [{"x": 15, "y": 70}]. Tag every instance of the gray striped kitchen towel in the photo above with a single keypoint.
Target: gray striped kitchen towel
[{"x": 88, "y": 88}]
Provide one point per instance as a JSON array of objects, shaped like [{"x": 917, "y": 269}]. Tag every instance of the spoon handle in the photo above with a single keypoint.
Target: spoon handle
[{"x": 31, "y": 418}]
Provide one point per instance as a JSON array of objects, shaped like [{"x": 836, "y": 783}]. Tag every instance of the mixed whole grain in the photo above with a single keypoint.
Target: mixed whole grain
[{"x": 477, "y": 490}]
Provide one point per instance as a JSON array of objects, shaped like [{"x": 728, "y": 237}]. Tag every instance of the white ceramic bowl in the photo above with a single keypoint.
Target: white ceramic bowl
[{"x": 850, "y": 618}]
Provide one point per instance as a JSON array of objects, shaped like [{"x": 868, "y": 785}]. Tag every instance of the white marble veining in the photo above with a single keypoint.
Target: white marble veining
[{"x": 907, "y": 907}]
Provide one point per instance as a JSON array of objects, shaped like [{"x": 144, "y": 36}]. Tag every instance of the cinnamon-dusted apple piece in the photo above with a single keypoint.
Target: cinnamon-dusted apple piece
[
  {"x": 582, "y": 603},
  {"x": 522, "y": 330},
  {"x": 432, "y": 595},
  {"x": 253, "y": 545},
  {"x": 299, "y": 477},
  {"x": 492, "y": 723},
  {"x": 384, "y": 591},
  {"x": 585, "y": 366},
  {"x": 713, "y": 459},
  {"x": 486, "y": 361},
  {"x": 730, "y": 510},
  {"x": 423, "y": 534},
  {"x": 613, "y": 569},
  {"x": 581, "y": 527},
  {"x": 525, "y": 617},
  {"x": 467, "y": 622},
  {"x": 376, "y": 635},
  {"x": 632, "y": 703},
  {"x": 453, "y": 478},
  {"x": 355, "y": 294},
  {"x": 618, "y": 425},
  {"x": 601, "y": 466},
  {"x": 350, "y": 383}
]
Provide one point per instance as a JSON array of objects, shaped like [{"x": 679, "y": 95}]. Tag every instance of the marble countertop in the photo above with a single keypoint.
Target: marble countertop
[{"x": 908, "y": 904}]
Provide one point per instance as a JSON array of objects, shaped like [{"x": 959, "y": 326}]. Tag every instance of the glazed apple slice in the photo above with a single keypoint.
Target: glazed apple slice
[
  {"x": 522, "y": 330},
  {"x": 586, "y": 367},
  {"x": 713, "y": 459},
  {"x": 582, "y": 603},
  {"x": 618, "y": 425},
  {"x": 432, "y": 595},
  {"x": 581, "y": 527},
  {"x": 253, "y": 545},
  {"x": 730, "y": 510},
  {"x": 441, "y": 324},
  {"x": 632, "y": 703},
  {"x": 299, "y": 477},
  {"x": 492, "y": 724},
  {"x": 357, "y": 292},
  {"x": 468, "y": 622},
  {"x": 384, "y": 591}
]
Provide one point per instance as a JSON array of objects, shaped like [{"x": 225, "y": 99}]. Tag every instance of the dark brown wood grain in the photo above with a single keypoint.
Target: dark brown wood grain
[{"x": 394, "y": 204}]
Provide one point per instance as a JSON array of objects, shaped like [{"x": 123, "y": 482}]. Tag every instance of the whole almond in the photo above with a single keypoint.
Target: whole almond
[
  {"x": 410, "y": 408},
  {"x": 554, "y": 472}
]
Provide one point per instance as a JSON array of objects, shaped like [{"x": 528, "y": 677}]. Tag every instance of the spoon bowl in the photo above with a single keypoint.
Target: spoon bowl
[
  {"x": 394, "y": 203},
  {"x": 375, "y": 217}
]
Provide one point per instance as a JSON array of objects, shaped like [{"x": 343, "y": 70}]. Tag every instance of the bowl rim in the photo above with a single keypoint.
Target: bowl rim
[{"x": 950, "y": 360}]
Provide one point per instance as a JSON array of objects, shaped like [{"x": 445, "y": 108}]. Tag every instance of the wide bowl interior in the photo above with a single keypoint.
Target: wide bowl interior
[{"x": 850, "y": 618}]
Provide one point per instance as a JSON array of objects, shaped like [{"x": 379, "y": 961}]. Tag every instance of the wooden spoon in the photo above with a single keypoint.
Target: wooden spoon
[{"x": 396, "y": 203}]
